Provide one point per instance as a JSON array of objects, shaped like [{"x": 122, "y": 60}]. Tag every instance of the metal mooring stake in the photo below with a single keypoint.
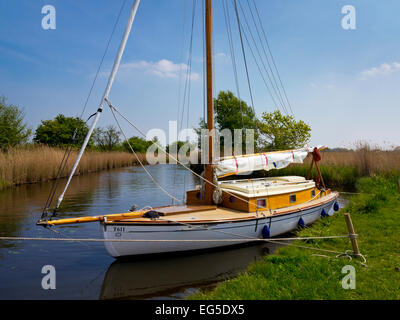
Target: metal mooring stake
[{"x": 352, "y": 234}]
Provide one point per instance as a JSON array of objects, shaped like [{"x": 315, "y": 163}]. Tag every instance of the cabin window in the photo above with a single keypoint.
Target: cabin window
[
  {"x": 231, "y": 199},
  {"x": 312, "y": 193},
  {"x": 261, "y": 203},
  {"x": 292, "y": 198}
]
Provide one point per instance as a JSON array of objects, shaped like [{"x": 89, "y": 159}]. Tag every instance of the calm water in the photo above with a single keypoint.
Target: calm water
[{"x": 86, "y": 271}]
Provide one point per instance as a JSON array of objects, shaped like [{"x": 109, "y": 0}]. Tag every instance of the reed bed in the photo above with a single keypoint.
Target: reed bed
[
  {"x": 343, "y": 168},
  {"x": 41, "y": 163},
  {"x": 32, "y": 164}
]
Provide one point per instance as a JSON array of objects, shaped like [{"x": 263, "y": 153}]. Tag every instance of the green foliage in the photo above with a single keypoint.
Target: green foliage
[
  {"x": 107, "y": 139},
  {"x": 280, "y": 132},
  {"x": 232, "y": 113},
  {"x": 178, "y": 145},
  {"x": 13, "y": 131},
  {"x": 60, "y": 130},
  {"x": 273, "y": 132},
  {"x": 138, "y": 144}
]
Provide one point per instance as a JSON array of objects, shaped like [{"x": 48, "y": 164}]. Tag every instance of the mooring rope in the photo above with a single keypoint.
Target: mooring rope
[
  {"x": 278, "y": 241},
  {"x": 170, "y": 240},
  {"x": 272, "y": 240}
]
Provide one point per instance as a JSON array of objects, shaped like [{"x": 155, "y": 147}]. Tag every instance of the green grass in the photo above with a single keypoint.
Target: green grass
[
  {"x": 344, "y": 177},
  {"x": 295, "y": 273}
]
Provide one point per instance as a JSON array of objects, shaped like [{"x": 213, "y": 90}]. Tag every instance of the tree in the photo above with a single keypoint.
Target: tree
[
  {"x": 279, "y": 132},
  {"x": 138, "y": 144},
  {"x": 60, "y": 130},
  {"x": 231, "y": 113},
  {"x": 13, "y": 131},
  {"x": 180, "y": 147},
  {"x": 106, "y": 139},
  {"x": 177, "y": 145}
]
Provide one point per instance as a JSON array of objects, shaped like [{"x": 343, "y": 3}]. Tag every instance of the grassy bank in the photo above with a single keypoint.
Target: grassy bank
[
  {"x": 344, "y": 168},
  {"x": 296, "y": 273},
  {"x": 40, "y": 163}
]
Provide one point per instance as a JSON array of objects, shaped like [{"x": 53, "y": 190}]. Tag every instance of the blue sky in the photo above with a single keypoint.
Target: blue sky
[{"x": 344, "y": 83}]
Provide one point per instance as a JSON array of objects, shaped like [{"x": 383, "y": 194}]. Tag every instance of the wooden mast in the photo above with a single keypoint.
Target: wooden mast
[{"x": 209, "y": 176}]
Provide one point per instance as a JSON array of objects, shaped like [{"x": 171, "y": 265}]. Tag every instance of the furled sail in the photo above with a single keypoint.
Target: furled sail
[{"x": 262, "y": 161}]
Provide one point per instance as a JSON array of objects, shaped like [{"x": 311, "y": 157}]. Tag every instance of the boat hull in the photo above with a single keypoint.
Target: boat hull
[{"x": 199, "y": 236}]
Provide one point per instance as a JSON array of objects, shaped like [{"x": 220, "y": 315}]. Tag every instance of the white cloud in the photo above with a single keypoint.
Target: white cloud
[
  {"x": 383, "y": 69},
  {"x": 163, "y": 68},
  {"x": 222, "y": 56}
]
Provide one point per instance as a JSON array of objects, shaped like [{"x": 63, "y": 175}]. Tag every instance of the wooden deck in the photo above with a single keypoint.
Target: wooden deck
[
  {"x": 198, "y": 214},
  {"x": 212, "y": 214}
]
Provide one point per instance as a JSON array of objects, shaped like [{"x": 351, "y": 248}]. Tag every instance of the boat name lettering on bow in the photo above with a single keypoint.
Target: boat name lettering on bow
[{"x": 119, "y": 229}]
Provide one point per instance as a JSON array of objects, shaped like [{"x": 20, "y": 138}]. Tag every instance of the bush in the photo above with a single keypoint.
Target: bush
[
  {"x": 107, "y": 139},
  {"x": 59, "y": 131},
  {"x": 138, "y": 144},
  {"x": 13, "y": 131}
]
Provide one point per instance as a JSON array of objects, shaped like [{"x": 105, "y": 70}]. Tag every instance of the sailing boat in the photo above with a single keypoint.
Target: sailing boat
[{"x": 218, "y": 213}]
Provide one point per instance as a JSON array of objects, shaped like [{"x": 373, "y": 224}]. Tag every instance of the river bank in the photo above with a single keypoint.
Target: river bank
[
  {"x": 41, "y": 163},
  {"x": 342, "y": 169},
  {"x": 298, "y": 273}
]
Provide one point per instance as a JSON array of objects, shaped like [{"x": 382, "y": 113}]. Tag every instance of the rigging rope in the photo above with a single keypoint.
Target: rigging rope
[
  {"x": 69, "y": 149},
  {"x": 169, "y": 155},
  {"x": 259, "y": 69},
  {"x": 272, "y": 57},
  {"x": 137, "y": 158},
  {"x": 180, "y": 80},
  {"x": 103, "y": 57},
  {"x": 179, "y": 162},
  {"x": 189, "y": 86},
  {"x": 263, "y": 49},
  {"x": 272, "y": 82},
  {"x": 232, "y": 50},
  {"x": 244, "y": 54}
]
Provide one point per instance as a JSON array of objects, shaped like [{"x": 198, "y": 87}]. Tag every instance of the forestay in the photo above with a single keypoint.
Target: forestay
[{"x": 263, "y": 161}]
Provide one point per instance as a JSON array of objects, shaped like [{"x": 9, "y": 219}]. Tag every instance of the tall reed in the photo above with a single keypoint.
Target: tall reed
[
  {"x": 40, "y": 163},
  {"x": 344, "y": 168}
]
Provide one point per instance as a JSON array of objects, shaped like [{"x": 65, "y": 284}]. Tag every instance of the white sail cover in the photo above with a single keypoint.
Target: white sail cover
[{"x": 263, "y": 161}]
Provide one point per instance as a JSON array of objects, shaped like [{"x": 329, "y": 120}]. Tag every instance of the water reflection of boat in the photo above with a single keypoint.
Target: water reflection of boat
[{"x": 164, "y": 276}]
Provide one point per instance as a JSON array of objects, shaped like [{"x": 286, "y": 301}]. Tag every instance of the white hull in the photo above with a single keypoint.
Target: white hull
[{"x": 237, "y": 230}]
